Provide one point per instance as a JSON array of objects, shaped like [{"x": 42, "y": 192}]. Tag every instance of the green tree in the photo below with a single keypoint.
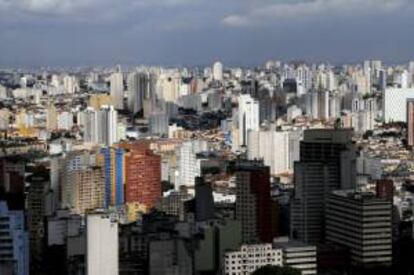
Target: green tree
[{"x": 276, "y": 270}]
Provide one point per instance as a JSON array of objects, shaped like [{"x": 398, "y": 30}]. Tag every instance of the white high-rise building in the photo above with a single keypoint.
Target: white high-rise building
[
  {"x": 248, "y": 116},
  {"x": 250, "y": 258},
  {"x": 278, "y": 150},
  {"x": 117, "y": 89},
  {"x": 89, "y": 120},
  {"x": 107, "y": 125},
  {"x": 218, "y": 71},
  {"x": 101, "y": 245},
  {"x": 69, "y": 84},
  {"x": 394, "y": 102},
  {"x": 189, "y": 165}
]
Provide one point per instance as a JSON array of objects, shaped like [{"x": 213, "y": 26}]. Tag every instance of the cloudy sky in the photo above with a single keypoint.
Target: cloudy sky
[{"x": 197, "y": 32}]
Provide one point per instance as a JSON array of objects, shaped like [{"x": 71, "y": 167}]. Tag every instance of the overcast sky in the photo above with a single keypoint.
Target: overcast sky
[{"x": 198, "y": 32}]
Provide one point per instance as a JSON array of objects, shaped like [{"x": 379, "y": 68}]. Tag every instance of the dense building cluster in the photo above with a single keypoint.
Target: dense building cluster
[{"x": 215, "y": 170}]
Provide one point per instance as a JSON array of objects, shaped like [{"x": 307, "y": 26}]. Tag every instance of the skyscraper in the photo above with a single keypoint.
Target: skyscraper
[
  {"x": 253, "y": 202},
  {"x": 107, "y": 125},
  {"x": 248, "y": 116},
  {"x": 90, "y": 125},
  {"x": 327, "y": 163},
  {"x": 218, "y": 71},
  {"x": 137, "y": 86},
  {"x": 117, "y": 89}
]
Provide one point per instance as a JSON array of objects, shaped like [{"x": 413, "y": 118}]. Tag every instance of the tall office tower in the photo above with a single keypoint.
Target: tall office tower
[
  {"x": 382, "y": 79},
  {"x": 51, "y": 118},
  {"x": 107, "y": 125},
  {"x": 410, "y": 122},
  {"x": 14, "y": 242},
  {"x": 102, "y": 254},
  {"x": 323, "y": 105},
  {"x": 248, "y": 116},
  {"x": 89, "y": 121},
  {"x": 150, "y": 95},
  {"x": 189, "y": 166},
  {"x": 278, "y": 149},
  {"x": 39, "y": 183},
  {"x": 327, "y": 163},
  {"x": 142, "y": 175},
  {"x": 117, "y": 89},
  {"x": 218, "y": 71},
  {"x": 204, "y": 202},
  {"x": 362, "y": 223},
  {"x": 253, "y": 202},
  {"x": 113, "y": 162},
  {"x": 297, "y": 255},
  {"x": 137, "y": 86}
]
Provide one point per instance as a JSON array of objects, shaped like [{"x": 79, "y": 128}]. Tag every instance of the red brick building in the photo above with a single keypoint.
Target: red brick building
[{"x": 142, "y": 174}]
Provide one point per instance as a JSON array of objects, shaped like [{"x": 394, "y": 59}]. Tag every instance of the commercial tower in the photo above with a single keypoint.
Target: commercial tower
[
  {"x": 101, "y": 245},
  {"x": 362, "y": 223},
  {"x": 137, "y": 83},
  {"x": 327, "y": 163},
  {"x": 253, "y": 202}
]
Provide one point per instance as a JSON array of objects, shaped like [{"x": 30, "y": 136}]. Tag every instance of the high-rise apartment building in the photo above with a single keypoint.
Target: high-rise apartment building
[
  {"x": 188, "y": 165},
  {"x": 142, "y": 174},
  {"x": 218, "y": 71},
  {"x": 248, "y": 117},
  {"x": 107, "y": 125},
  {"x": 113, "y": 162},
  {"x": 117, "y": 89},
  {"x": 410, "y": 122},
  {"x": 278, "y": 149}
]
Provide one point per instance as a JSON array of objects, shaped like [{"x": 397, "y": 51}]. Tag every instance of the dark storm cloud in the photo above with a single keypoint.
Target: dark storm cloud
[{"x": 186, "y": 32}]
